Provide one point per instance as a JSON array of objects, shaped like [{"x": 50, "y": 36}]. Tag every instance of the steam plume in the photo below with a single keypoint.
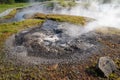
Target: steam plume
[{"x": 105, "y": 12}]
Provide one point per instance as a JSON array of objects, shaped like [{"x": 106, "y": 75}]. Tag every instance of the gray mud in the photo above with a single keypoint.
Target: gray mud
[{"x": 51, "y": 43}]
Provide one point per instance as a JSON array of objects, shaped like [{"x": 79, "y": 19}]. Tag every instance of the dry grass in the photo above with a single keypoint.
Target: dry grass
[{"x": 108, "y": 30}]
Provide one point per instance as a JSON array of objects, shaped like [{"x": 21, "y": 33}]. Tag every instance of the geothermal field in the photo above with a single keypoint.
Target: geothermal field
[{"x": 65, "y": 39}]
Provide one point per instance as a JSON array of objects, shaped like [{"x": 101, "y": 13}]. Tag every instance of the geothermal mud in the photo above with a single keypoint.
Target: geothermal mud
[
  {"x": 52, "y": 43},
  {"x": 56, "y": 42}
]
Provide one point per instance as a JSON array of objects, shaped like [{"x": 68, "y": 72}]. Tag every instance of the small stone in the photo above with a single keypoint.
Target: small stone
[
  {"x": 106, "y": 65},
  {"x": 20, "y": 50}
]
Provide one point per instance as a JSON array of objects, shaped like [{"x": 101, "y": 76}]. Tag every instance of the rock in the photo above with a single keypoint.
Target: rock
[
  {"x": 19, "y": 37},
  {"x": 20, "y": 50},
  {"x": 106, "y": 65}
]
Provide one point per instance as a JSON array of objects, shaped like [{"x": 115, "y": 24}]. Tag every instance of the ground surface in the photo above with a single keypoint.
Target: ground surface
[{"x": 82, "y": 70}]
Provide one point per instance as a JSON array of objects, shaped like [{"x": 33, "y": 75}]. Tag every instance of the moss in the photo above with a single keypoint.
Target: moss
[
  {"x": 113, "y": 76},
  {"x": 117, "y": 61},
  {"x": 79, "y": 20},
  {"x": 67, "y": 18}
]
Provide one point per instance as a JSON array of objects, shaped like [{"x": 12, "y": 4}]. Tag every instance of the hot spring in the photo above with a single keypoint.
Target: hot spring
[{"x": 55, "y": 42}]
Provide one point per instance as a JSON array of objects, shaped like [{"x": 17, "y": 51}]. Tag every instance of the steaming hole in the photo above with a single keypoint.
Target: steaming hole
[{"x": 55, "y": 42}]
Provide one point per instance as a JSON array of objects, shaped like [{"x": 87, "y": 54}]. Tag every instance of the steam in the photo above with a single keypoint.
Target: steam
[
  {"x": 71, "y": 29},
  {"x": 105, "y": 12}
]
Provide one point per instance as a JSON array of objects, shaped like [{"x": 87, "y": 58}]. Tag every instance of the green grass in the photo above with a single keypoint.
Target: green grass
[
  {"x": 8, "y": 29},
  {"x": 4, "y": 7},
  {"x": 67, "y": 18},
  {"x": 79, "y": 20},
  {"x": 10, "y": 15},
  {"x": 17, "y": 26},
  {"x": 9, "y": 71}
]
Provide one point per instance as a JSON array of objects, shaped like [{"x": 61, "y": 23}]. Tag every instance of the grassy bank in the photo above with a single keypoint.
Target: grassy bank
[
  {"x": 11, "y": 28},
  {"x": 10, "y": 15},
  {"x": 4, "y": 7},
  {"x": 79, "y": 20},
  {"x": 8, "y": 70}
]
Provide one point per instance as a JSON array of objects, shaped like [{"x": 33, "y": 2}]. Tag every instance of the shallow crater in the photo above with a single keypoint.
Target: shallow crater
[{"x": 55, "y": 42}]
